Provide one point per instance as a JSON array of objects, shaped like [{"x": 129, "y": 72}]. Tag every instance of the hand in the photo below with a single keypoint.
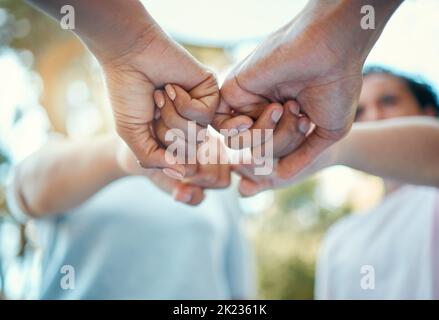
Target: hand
[
  {"x": 251, "y": 184},
  {"x": 189, "y": 194},
  {"x": 189, "y": 190},
  {"x": 214, "y": 174},
  {"x": 302, "y": 68},
  {"x": 315, "y": 60},
  {"x": 132, "y": 79}
]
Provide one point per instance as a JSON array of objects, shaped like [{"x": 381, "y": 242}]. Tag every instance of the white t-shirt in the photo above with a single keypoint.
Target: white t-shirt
[{"x": 391, "y": 252}]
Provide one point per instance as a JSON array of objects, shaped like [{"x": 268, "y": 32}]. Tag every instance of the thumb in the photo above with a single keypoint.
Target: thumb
[{"x": 149, "y": 154}]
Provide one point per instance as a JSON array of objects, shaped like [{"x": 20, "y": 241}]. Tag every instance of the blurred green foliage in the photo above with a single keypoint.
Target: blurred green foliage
[{"x": 286, "y": 241}]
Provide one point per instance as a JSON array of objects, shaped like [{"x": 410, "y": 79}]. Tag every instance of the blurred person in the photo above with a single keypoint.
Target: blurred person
[
  {"x": 98, "y": 212},
  {"x": 391, "y": 251}
]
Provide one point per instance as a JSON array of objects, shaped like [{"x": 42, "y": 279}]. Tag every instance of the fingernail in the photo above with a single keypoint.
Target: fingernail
[
  {"x": 245, "y": 188},
  {"x": 276, "y": 115},
  {"x": 171, "y": 92},
  {"x": 304, "y": 126},
  {"x": 182, "y": 196},
  {"x": 243, "y": 127},
  {"x": 174, "y": 174},
  {"x": 156, "y": 114},
  {"x": 160, "y": 99},
  {"x": 294, "y": 109}
]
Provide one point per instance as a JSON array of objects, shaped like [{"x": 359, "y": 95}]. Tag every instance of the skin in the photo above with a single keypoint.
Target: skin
[
  {"x": 402, "y": 137},
  {"x": 138, "y": 58},
  {"x": 65, "y": 173},
  {"x": 386, "y": 97},
  {"x": 316, "y": 61}
]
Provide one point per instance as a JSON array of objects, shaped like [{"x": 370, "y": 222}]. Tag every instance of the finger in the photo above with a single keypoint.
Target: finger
[
  {"x": 183, "y": 153},
  {"x": 224, "y": 120},
  {"x": 167, "y": 136},
  {"x": 208, "y": 94},
  {"x": 188, "y": 194},
  {"x": 133, "y": 109},
  {"x": 312, "y": 146},
  {"x": 253, "y": 111},
  {"x": 224, "y": 177},
  {"x": 245, "y": 171},
  {"x": 173, "y": 120},
  {"x": 248, "y": 188},
  {"x": 181, "y": 192},
  {"x": 206, "y": 176},
  {"x": 261, "y": 131},
  {"x": 238, "y": 121},
  {"x": 237, "y": 102},
  {"x": 241, "y": 100},
  {"x": 199, "y": 104},
  {"x": 148, "y": 152},
  {"x": 288, "y": 135},
  {"x": 248, "y": 171},
  {"x": 224, "y": 123}
]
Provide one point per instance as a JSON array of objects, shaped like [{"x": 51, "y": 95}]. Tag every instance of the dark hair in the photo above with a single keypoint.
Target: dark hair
[{"x": 422, "y": 91}]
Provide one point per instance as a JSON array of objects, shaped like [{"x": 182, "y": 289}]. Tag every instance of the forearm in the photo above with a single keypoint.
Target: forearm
[
  {"x": 405, "y": 149},
  {"x": 339, "y": 22},
  {"x": 64, "y": 174},
  {"x": 108, "y": 27},
  {"x": 324, "y": 41}
]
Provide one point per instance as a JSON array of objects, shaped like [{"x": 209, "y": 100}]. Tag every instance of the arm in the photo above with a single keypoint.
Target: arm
[
  {"x": 338, "y": 24},
  {"x": 315, "y": 60},
  {"x": 64, "y": 174},
  {"x": 137, "y": 58},
  {"x": 108, "y": 27},
  {"x": 404, "y": 149}
]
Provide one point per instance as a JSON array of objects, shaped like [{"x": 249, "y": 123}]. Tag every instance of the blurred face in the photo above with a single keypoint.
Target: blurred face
[{"x": 384, "y": 96}]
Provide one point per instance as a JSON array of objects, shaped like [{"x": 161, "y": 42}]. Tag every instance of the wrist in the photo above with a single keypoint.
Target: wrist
[
  {"x": 125, "y": 161},
  {"x": 113, "y": 28},
  {"x": 113, "y": 147}
]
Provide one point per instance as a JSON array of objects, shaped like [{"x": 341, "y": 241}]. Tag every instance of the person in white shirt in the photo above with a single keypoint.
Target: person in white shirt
[{"x": 392, "y": 251}]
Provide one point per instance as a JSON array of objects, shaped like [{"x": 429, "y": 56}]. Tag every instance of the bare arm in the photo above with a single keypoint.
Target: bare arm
[
  {"x": 404, "y": 149},
  {"x": 137, "y": 58},
  {"x": 65, "y": 173},
  {"x": 108, "y": 27},
  {"x": 315, "y": 60}
]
